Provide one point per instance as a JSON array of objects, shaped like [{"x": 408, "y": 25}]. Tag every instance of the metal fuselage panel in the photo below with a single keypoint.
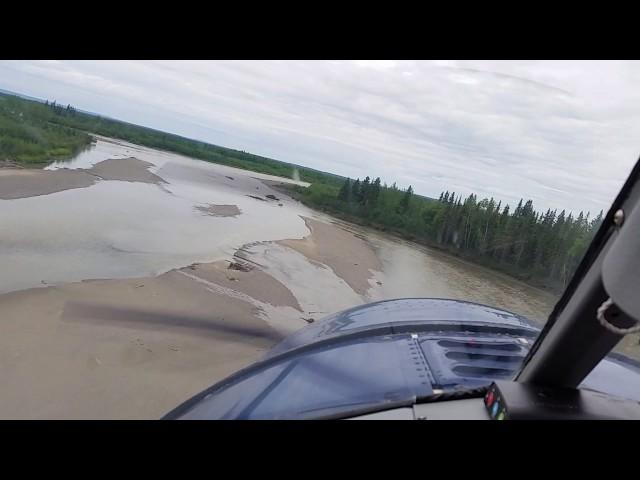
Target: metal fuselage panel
[{"x": 385, "y": 353}]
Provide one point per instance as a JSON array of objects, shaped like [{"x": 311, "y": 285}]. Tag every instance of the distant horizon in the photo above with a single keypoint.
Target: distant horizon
[
  {"x": 45, "y": 100},
  {"x": 564, "y": 132},
  {"x": 384, "y": 182}
]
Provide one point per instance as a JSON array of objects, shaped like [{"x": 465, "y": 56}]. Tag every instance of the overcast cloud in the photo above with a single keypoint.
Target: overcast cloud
[{"x": 565, "y": 134}]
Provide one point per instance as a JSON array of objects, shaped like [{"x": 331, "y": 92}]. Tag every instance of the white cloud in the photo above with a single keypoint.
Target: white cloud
[
  {"x": 565, "y": 134},
  {"x": 376, "y": 64}
]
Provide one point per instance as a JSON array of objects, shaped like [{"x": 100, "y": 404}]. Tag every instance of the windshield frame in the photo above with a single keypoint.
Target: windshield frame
[{"x": 568, "y": 347}]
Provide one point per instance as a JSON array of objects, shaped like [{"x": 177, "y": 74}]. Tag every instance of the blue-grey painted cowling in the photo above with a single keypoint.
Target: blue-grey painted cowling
[{"x": 386, "y": 352}]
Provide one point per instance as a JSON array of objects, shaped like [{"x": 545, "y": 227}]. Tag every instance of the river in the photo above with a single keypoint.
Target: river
[{"x": 122, "y": 229}]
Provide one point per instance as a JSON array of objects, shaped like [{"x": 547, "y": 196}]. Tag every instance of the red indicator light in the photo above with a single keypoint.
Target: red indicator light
[{"x": 490, "y": 398}]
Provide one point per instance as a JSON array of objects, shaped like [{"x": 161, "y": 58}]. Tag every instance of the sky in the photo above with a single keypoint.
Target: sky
[{"x": 562, "y": 133}]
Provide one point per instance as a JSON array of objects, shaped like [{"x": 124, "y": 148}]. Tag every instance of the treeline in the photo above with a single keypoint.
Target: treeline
[
  {"x": 30, "y": 138},
  {"x": 60, "y": 109},
  {"x": 72, "y": 120},
  {"x": 543, "y": 248}
]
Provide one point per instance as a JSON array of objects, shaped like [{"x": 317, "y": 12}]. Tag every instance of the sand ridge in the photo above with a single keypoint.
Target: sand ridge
[
  {"x": 23, "y": 183},
  {"x": 350, "y": 257},
  {"x": 219, "y": 210},
  {"x": 122, "y": 349}
]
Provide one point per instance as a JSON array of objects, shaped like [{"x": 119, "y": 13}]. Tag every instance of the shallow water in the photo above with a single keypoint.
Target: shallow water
[
  {"x": 412, "y": 270},
  {"x": 117, "y": 229}
]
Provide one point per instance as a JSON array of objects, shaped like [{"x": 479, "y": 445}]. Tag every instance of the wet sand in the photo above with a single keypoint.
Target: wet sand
[
  {"x": 126, "y": 349},
  {"x": 125, "y": 169},
  {"x": 219, "y": 210},
  {"x": 351, "y": 258},
  {"x": 23, "y": 183},
  {"x": 255, "y": 283},
  {"x": 17, "y": 183}
]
